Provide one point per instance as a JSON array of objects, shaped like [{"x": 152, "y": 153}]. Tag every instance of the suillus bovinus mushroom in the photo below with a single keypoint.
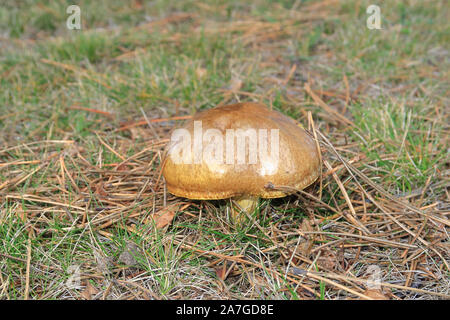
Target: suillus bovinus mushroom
[{"x": 240, "y": 151}]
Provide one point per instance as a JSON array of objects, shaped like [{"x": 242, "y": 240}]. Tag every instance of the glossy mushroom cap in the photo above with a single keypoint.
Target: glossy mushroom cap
[{"x": 196, "y": 176}]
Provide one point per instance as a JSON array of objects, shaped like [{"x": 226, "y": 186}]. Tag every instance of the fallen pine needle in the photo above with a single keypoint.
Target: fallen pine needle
[
  {"x": 144, "y": 122},
  {"x": 105, "y": 113}
]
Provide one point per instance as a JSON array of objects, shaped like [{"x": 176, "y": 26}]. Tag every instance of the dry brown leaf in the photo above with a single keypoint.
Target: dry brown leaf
[
  {"x": 163, "y": 217},
  {"x": 307, "y": 241},
  {"x": 88, "y": 291},
  {"x": 221, "y": 272},
  {"x": 376, "y": 294}
]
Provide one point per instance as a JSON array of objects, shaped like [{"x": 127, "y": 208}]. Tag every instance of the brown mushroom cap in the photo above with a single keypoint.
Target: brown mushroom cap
[{"x": 298, "y": 164}]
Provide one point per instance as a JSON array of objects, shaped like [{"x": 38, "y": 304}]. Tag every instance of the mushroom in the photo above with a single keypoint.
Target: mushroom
[{"x": 240, "y": 151}]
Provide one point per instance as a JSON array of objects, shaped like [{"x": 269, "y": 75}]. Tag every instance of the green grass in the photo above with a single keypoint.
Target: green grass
[{"x": 177, "y": 68}]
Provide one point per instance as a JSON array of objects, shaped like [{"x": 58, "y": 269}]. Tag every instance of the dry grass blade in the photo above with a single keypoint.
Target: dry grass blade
[{"x": 28, "y": 270}]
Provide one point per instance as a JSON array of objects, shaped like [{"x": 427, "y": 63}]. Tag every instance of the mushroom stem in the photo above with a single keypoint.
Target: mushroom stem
[{"x": 242, "y": 205}]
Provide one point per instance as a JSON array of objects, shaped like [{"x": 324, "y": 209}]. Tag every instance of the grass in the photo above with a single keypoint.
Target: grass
[{"x": 79, "y": 173}]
